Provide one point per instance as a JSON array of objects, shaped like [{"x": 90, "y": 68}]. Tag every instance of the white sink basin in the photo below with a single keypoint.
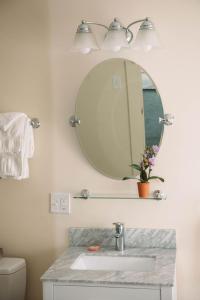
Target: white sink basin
[{"x": 114, "y": 263}]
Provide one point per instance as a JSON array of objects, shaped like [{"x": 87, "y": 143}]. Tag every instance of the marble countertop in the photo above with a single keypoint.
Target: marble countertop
[{"x": 162, "y": 275}]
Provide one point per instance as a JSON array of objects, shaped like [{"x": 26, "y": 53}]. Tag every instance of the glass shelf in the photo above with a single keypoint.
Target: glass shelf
[
  {"x": 116, "y": 197},
  {"x": 86, "y": 195}
]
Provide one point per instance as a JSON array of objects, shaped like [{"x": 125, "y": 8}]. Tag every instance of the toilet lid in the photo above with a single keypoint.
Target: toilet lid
[{"x": 9, "y": 265}]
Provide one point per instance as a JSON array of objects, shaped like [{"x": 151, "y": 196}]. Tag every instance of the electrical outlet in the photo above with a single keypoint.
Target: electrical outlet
[
  {"x": 60, "y": 203},
  {"x": 65, "y": 203}
]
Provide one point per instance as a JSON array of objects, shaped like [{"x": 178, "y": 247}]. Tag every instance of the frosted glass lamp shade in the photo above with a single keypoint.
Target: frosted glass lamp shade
[
  {"x": 117, "y": 36},
  {"x": 115, "y": 40},
  {"x": 146, "y": 40},
  {"x": 85, "y": 42}
]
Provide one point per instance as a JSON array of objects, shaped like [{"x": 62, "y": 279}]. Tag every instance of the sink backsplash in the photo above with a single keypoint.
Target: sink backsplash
[{"x": 135, "y": 237}]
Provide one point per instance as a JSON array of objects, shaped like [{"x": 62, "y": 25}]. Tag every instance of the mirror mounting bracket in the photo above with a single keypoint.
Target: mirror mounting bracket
[
  {"x": 74, "y": 121},
  {"x": 167, "y": 120}
]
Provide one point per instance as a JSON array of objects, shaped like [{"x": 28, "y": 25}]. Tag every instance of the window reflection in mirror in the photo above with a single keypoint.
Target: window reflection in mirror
[{"x": 152, "y": 111}]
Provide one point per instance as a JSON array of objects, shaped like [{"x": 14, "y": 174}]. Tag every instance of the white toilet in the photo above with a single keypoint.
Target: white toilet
[{"x": 12, "y": 278}]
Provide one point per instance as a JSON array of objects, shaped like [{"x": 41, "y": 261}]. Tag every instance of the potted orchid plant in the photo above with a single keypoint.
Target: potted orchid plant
[{"x": 145, "y": 169}]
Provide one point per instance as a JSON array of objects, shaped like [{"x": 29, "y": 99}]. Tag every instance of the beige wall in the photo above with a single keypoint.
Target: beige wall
[
  {"x": 47, "y": 89},
  {"x": 25, "y": 225}
]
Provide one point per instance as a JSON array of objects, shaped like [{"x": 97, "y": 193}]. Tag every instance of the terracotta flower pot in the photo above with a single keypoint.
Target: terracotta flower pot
[{"x": 143, "y": 189}]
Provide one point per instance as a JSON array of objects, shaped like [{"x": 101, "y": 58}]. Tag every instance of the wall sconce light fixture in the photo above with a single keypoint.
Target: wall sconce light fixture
[{"x": 116, "y": 37}]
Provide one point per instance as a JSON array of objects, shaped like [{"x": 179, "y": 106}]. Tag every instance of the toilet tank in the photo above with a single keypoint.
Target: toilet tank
[{"x": 12, "y": 278}]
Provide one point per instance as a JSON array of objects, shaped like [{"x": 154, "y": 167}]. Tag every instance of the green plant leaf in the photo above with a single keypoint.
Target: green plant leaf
[
  {"x": 143, "y": 176},
  {"x": 127, "y": 178},
  {"x": 156, "y": 177},
  {"x": 137, "y": 167}
]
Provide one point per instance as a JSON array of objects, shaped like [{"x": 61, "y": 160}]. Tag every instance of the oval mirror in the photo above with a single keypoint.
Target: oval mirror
[{"x": 119, "y": 107}]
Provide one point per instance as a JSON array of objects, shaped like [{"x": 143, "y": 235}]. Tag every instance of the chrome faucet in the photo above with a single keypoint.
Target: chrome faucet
[{"x": 119, "y": 236}]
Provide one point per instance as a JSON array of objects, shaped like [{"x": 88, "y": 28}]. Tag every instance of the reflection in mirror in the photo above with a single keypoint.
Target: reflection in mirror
[
  {"x": 119, "y": 108},
  {"x": 152, "y": 111}
]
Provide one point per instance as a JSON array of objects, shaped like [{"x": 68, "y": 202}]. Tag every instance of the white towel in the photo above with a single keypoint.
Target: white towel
[{"x": 16, "y": 145}]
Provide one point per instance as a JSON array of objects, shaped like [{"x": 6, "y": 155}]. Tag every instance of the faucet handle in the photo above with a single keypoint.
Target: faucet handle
[
  {"x": 119, "y": 227},
  {"x": 117, "y": 224}
]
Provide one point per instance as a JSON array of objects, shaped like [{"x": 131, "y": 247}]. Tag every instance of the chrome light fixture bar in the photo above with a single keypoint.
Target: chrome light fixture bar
[{"x": 117, "y": 36}]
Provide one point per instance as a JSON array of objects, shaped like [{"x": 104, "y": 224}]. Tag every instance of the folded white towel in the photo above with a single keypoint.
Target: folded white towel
[{"x": 16, "y": 145}]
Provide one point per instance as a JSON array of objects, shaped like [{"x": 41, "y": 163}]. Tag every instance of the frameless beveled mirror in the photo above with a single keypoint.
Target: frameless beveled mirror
[{"x": 119, "y": 107}]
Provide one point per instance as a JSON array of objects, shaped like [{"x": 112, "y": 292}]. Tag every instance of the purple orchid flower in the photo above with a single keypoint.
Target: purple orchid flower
[
  {"x": 152, "y": 161},
  {"x": 155, "y": 149}
]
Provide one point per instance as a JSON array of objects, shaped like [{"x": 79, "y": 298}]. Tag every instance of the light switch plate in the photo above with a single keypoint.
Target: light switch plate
[{"x": 60, "y": 203}]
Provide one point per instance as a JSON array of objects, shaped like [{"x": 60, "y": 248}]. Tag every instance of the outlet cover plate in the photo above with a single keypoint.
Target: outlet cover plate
[{"x": 60, "y": 203}]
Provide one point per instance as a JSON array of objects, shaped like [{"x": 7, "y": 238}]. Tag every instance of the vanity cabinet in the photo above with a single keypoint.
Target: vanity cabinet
[
  {"x": 142, "y": 273},
  {"x": 58, "y": 291}
]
